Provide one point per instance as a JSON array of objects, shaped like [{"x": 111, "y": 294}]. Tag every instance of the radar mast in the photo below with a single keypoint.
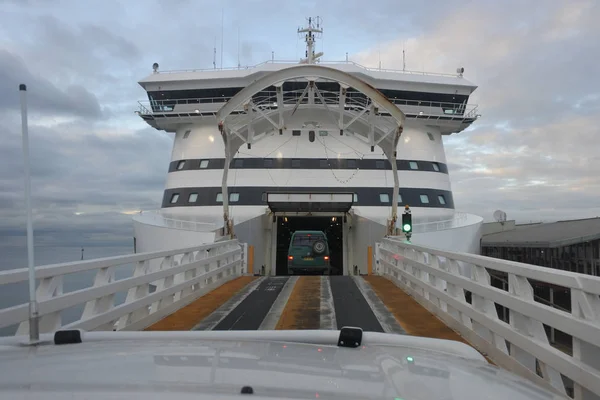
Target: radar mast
[{"x": 314, "y": 26}]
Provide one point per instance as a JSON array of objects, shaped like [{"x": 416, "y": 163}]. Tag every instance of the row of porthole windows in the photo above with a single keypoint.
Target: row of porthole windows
[
  {"x": 385, "y": 198},
  {"x": 268, "y": 163},
  {"x": 193, "y": 197},
  {"x": 234, "y": 197}
]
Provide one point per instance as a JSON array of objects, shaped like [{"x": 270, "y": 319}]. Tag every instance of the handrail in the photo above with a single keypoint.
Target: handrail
[
  {"x": 439, "y": 279},
  {"x": 270, "y": 96},
  {"x": 457, "y": 220},
  {"x": 157, "y": 217},
  {"x": 179, "y": 276},
  {"x": 424, "y": 109},
  {"x": 344, "y": 62}
]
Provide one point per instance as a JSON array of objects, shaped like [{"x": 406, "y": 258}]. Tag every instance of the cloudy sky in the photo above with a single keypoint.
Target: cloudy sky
[{"x": 533, "y": 154}]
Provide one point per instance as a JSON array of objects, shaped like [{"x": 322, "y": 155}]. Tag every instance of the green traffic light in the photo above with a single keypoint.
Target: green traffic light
[{"x": 406, "y": 227}]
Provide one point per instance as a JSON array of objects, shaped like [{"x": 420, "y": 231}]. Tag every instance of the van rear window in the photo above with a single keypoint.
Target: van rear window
[{"x": 306, "y": 240}]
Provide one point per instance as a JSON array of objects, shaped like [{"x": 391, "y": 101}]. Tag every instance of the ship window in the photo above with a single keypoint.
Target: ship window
[
  {"x": 268, "y": 163},
  {"x": 219, "y": 197},
  {"x": 180, "y": 164},
  {"x": 413, "y": 165},
  {"x": 323, "y": 164},
  {"x": 187, "y": 134},
  {"x": 193, "y": 198},
  {"x": 424, "y": 199},
  {"x": 352, "y": 164},
  {"x": 436, "y": 167},
  {"x": 379, "y": 164},
  {"x": 322, "y": 133},
  {"x": 233, "y": 197},
  {"x": 296, "y": 132},
  {"x": 264, "y": 197},
  {"x": 174, "y": 198},
  {"x": 311, "y": 136},
  {"x": 384, "y": 197},
  {"x": 203, "y": 164},
  {"x": 430, "y": 136},
  {"x": 355, "y": 199},
  {"x": 399, "y": 198},
  {"x": 295, "y": 163},
  {"x": 238, "y": 163},
  {"x": 442, "y": 199}
]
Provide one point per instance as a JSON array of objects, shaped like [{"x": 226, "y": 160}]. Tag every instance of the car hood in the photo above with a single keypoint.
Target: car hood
[{"x": 201, "y": 369}]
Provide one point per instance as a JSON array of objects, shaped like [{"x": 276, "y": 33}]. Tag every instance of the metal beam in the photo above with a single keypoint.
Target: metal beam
[
  {"x": 385, "y": 136},
  {"x": 226, "y": 223},
  {"x": 299, "y": 100},
  {"x": 329, "y": 112},
  {"x": 265, "y": 116},
  {"x": 371, "y": 119},
  {"x": 311, "y": 92},
  {"x": 250, "y": 136},
  {"x": 392, "y": 158},
  {"x": 360, "y": 114},
  {"x": 342, "y": 105},
  {"x": 279, "y": 89}
]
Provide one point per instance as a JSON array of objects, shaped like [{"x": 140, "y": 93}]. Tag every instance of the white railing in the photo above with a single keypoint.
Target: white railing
[
  {"x": 345, "y": 62},
  {"x": 178, "y": 277},
  {"x": 267, "y": 100},
  {"x": 434, "y": 279},
  {"x": 458, "y": 220},
  {"x": 157, "y": 218}
]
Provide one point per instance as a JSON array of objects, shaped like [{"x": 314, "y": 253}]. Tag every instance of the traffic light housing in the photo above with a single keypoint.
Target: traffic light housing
[{"x": 406, "y": 223}]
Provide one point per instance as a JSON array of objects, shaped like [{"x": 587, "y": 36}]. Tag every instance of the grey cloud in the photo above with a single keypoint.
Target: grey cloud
[
  {"x": 89, "y": 172},
  {"x": 43, "y": 96},
  {"x": 533, "y": 152}
]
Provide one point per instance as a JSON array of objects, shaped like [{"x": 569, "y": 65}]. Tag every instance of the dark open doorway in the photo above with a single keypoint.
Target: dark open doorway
[{"x": 332, "y": 226}]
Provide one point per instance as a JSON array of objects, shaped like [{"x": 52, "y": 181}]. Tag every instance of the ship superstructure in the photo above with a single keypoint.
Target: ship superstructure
[{"x": 276, "y": 138}]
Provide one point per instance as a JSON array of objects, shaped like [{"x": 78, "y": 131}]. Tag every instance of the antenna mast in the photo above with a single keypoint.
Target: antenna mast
[
  {"x": 403, "y": 59},
  {"x": 239, "y": 65},
  {"x": 314, "y": 26},
  {"x": 222, "y": 34},
  {"x": 215, "y": 54}
]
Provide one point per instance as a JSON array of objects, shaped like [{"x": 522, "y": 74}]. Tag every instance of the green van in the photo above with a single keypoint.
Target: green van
[{"x": 308, "y": 252}]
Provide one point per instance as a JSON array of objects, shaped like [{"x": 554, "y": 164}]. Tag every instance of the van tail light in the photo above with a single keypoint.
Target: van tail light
[
  {"x": 326, "y": 257},
  {"x": 290, "y": 257}
]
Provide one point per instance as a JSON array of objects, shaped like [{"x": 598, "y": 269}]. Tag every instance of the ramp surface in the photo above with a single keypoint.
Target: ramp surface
[{"x": 189, "y": 316}]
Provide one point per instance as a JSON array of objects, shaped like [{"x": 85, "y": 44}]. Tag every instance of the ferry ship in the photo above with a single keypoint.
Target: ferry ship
[{"x": 307, "y": 144}]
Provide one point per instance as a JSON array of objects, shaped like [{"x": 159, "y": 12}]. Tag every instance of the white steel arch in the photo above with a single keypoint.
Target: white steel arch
[
  {"x": 315, "y": 71},
  {"x": 310, "y": 72}
]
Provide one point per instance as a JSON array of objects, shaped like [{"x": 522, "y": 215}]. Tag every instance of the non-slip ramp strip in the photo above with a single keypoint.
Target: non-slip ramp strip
[
  {"x": 328, "y": 321},
  {"x": 415, "y": 319},
  {"x": 351, "y": 307},
  {"x": 388, "y": 321},
  {"x": 189, "y": 316},
  {"x": 303, "y": 308},
  {"x": 272, "y": 318},
  {"x": 251, "y": 312}
]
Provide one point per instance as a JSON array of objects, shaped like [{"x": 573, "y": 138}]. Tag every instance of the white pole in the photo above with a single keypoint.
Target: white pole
[{"x": 34, "y": 332}]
